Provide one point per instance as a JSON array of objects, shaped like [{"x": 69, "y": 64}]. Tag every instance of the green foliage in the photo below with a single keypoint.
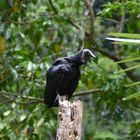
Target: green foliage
[
  {"x": 34, "y": 33},
  {"x": 127, "y": 60}
]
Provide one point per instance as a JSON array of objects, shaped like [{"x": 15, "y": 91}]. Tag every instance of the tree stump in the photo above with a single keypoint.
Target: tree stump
[{"x": 69, "y": 120}]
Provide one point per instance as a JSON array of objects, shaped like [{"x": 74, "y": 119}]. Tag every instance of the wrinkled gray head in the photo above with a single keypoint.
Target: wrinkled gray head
[
  {"x": 82, "y": 56},
  {"x": 87, "y": 53}
]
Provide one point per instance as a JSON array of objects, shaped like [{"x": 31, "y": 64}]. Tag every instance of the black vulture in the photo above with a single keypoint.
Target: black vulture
[{"x": 62, "y": 78}]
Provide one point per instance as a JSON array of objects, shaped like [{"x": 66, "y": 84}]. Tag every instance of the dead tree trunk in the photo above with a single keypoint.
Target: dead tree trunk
[{"x": 69, "y": 120}]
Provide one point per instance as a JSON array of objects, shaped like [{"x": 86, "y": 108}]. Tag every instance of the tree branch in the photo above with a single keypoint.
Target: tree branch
[
  {"x": 19, "y": 22},
  {"x": 87, "y": 92},
  {"x": 53, "y": 7},
  {"x": 10, "y": 97},
  {"x": 34, "y": 100},
  {"x": 90, "y": 4}
]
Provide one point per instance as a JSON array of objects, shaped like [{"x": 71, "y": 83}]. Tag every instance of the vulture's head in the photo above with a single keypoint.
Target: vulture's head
[{"x": 86, "y": 54}]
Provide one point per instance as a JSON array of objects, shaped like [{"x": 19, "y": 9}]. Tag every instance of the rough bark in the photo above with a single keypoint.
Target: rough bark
[{"x": 69, "y": 120}]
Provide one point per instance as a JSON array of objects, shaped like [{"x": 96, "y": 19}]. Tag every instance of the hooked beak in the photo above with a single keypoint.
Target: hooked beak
[
  {"x": 92, "y": 55},
  {"x": 95, "y": 57}
]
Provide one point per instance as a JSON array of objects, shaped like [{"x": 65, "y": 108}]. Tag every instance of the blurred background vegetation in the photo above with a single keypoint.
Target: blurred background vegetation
[{"x": 33, "y": 33}]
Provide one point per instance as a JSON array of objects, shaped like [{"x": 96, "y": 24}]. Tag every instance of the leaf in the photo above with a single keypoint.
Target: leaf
[
  {"x": 6, "y": 113},
  {"x": 16, "y": 7},
  {"x": 123, "y": 43},
  {"x": 10, "y": 2},
  {"x": 125, "y": 35},
  {"x": 2, "y": 28},
  {"x": 128, "y": 60},
  {"x": 57, "y": 48},
  {"x": 31, "y": 66},
  {"x": 133, "y": 84},
  {"x": 1, "y": 45},
  {"x": 134, "y": 67},
  {"x": 4, "y": 4},
  {"x": 131, "y": 96},
  {"x": 22, "y": 117},
  {"x": 14, "y": 73}
]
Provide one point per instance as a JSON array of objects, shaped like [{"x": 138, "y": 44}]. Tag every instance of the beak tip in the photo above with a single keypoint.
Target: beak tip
[{"x": 93, "y": 56}]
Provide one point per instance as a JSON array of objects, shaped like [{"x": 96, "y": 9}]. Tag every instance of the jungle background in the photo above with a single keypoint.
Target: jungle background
[{"x": 33, "y": 33}]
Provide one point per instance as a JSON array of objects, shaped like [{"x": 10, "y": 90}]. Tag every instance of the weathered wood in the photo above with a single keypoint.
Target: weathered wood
[{"x": 69, "y": 120}]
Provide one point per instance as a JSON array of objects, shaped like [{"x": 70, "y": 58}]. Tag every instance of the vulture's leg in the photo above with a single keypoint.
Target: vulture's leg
[
  {"x": 59, "y": 98},
  {"x": 62, "y": 98}
]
